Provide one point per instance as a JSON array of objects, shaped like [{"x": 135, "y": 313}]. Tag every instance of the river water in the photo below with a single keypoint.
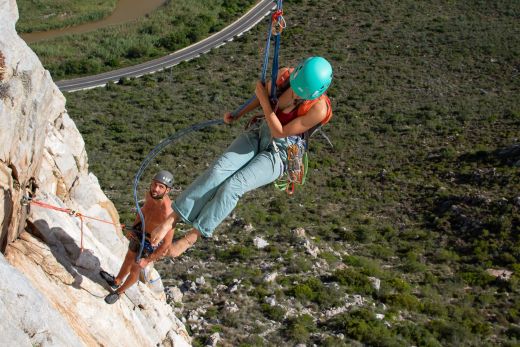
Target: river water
[{"x": 125, "y": 11}]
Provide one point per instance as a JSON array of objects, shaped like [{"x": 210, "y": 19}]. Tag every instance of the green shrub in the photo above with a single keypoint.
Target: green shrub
[
  {"x": 367, "y": 266},
  {"x": 477, "y": 277},
  {"x": 354, "y": 280},
  {"x": 403, "y": 300},
  {"x": 329, "y": 257},
  {"x": 366, "y": 233},
  {"x": 303, "y": 292},
  {"x": 275, "y": 313},
  {"x": 361, "y": 325},
  {"x": 237, "y": 252},
  {"x": 299, "y": 264},
  {"x": 419, "y": 335},
  {"x": 299, "y": 328}
]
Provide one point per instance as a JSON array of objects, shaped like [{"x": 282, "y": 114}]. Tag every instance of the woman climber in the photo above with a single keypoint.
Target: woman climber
[{"x": 256, "y": 157}]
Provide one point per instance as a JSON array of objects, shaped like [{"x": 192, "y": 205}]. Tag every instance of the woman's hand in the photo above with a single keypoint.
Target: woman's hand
[
  {"x": 262, "y": 94},
  {"x": 228, "y": 118}
]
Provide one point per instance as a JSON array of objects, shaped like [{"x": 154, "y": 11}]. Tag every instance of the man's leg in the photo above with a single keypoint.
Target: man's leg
[
  {"x": 181, "y": 245},
  {"x": 125, "y": 268},
  {"x": 132, "y": 278}
]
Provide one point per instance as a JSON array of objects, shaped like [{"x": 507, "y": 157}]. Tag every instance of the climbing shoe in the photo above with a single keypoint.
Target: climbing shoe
[
  {"x": 111, "y": 280},
  {"x": 112, "y": 298}
]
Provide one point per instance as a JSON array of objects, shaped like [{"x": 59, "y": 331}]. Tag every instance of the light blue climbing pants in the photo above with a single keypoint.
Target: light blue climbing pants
[{"x": 250, "y": 162}]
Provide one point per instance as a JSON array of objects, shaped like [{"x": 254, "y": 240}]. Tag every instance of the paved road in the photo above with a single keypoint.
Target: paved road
[{"x": 243, "y": 24}]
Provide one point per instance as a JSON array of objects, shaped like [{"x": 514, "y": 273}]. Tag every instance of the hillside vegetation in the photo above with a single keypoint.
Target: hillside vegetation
[
  {"x": 173, "y": 26},
  {"x": 404, "y": 218},
  {"x": 44, "y": 15}
]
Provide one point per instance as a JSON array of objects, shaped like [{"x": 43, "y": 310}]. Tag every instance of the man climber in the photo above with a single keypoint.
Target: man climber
[
  {"x": 256, "y": 157},
  {"x": 156, "y": 209}
]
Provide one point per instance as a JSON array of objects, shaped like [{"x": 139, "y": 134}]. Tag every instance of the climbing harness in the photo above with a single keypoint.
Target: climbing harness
[
  {"x": 296, "y": 167},
  {"x": 276, "y": 25},
  {"x": 135, "y": 235}
]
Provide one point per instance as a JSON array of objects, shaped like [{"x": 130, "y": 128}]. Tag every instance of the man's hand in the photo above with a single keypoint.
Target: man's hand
[
  {"x": 228, "y": 118},
  {"x": 159, "y": 233},
  {"x": 162, "y": 229},
  {"x": 143, "y": 262}
]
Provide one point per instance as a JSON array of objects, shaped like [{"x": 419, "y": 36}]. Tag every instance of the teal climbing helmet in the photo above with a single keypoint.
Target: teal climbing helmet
[{"x": 311, "y": 78}]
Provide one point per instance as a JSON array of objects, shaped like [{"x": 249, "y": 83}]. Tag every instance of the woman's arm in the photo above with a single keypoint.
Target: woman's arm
[
  {"x": 299, "y": 125},
  {"x": 228, "y": 118}
]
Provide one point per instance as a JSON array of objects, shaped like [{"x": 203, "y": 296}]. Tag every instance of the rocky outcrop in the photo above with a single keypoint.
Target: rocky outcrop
[{"x": 52, "y": 294}]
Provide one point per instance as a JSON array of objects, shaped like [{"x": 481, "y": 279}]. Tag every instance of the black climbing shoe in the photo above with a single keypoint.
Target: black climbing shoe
[
  {"x": 112, "y": 298},
  {"x": 111, "y": 280}
]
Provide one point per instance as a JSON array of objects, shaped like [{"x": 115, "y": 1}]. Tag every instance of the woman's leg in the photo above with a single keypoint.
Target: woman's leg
[
  {"x": 181, "y": 245},
  {"x": 192, "y": 200},
  {"x": 263, "y": 169}
]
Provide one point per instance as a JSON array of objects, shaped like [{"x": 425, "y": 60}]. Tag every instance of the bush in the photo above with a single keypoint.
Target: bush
[
  {"x": 237, "y": 252},
  {"x": 313, "y": 290},
  {"x": 299, "y": 328},
  {"x": 299, "y": 264},
  {"x": 362, "y": 325},
  {"x": 275, "y": 313},
  {"x": 419, "y": 335},
  {"x": 403, "y": 300},
  {"x": 354, "y": 280},
  {"x": 137, "y": 51}
]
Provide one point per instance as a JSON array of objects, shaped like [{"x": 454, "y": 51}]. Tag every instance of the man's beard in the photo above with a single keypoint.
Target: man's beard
[{"x": 157, "y": 197}]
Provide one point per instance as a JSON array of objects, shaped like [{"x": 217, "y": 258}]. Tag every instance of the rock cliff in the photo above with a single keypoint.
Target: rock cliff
[{"x": 51, "y": 293}]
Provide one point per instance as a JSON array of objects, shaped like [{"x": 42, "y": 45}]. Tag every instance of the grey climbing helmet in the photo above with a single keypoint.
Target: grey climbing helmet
[{"x": 164, "y": 177}]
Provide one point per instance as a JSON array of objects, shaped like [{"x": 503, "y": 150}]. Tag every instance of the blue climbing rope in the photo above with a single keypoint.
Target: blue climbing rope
[
  {"x": 276, "y": 25},
  {"x": 153, "y": 153}
]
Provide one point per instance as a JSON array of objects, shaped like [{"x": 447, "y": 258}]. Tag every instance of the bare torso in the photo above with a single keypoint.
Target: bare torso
[{"x": 156, "y": 211}]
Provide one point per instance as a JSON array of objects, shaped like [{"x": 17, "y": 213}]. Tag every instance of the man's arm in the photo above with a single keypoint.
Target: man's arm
[
  {"x": 160, "y": 251},
  {"x": 160, "y": 231}
]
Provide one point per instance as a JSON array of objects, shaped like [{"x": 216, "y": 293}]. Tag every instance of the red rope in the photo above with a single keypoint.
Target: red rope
[{"x": 72, "y": 213}]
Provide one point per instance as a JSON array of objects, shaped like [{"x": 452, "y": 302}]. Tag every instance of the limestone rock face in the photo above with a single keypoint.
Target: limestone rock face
[{"x": 51, "y": 291}]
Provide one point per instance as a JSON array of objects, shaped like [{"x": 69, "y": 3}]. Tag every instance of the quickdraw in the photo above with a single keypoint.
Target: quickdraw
[{"x": 277, "y": 22}]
